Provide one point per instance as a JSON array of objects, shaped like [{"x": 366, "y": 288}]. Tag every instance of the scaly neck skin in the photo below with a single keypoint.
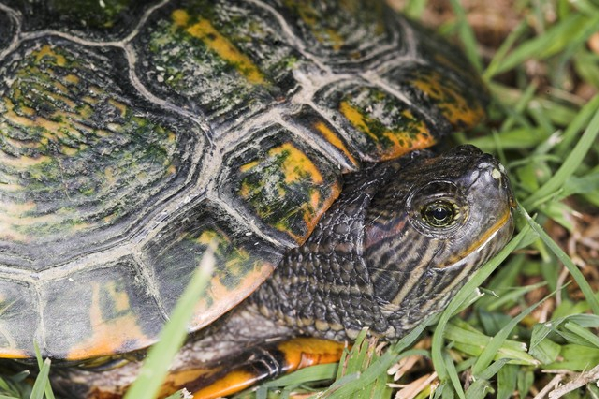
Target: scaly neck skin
[{"x": 323, "y": 288}]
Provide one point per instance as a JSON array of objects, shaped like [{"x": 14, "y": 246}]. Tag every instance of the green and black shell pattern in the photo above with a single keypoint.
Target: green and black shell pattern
[{"x": 134, "y": 133}]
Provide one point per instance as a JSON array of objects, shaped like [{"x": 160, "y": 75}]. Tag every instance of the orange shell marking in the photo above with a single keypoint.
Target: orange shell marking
[
  {"x": 288, "y": 190},
  {"x": 233, "y": 261},
  {"x": 333, "y": 139},
  {"x": 455, "y": 107},
  {"x": 391, "y": 144},
  {"x": 214, "y": 40},
  {"x": 110, "y": 336}
]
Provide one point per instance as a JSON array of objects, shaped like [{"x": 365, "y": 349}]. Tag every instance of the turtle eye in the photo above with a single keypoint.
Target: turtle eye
[{"x": 439, "y": 213}]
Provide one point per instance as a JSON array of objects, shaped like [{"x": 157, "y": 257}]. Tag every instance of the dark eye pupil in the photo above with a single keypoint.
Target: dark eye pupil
[{"x": 438, "y": 214}]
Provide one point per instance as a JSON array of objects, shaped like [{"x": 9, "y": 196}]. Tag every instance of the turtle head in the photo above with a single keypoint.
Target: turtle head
[{"x": 428, "y": 229}]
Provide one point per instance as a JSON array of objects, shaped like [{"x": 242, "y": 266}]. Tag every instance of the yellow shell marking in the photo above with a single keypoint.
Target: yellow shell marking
[
  {"x": 213, "y": 39},
  {"x": 310, "y": 17},
  {"x": 333, "y": 139},
  {"x": 223, "y": 298},
  {"x": 248, "y": 166},
  {"x": 297, "y": 164},
  {"x": 457, "y": 109},
  {"x": 108, "y": 336},
  {"x": 72, "y": 79},
  {"x": 411, "y": 141},
  {"x": 209, "y": 236},
  {"x": 335, "y": 39},
  {"x": 236, "y": 256},
  {"x": 356, "y": 118},
  {"x": 46, "y": 51},
  {"x": 293, "y": 167}
]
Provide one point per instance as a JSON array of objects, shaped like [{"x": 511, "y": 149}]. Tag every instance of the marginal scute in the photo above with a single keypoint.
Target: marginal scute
[
  {"x": 440, "y": 93},
  {"x": 78, "y": 154},
  {"x": 461, "y": 111},
  {"x": 114, "y": 312},
  {"x": 19, "y": 310},
  {"x": 281, "y": 182},
  {"x": 463, "y": 95},
  {"x": 240, "y": 265},
  {"x": 382, "y": 126}
]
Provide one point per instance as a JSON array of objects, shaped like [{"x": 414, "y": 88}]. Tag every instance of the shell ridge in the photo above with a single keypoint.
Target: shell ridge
[
  {"x": 199, "y": 119},
  {"x": 14, "y": 16},
  {"x": 149, "y": 283},
  {"x": 40, "y": 331},
  {"x": 411, "y": 38},
  {"x": 143, "y": 19}
]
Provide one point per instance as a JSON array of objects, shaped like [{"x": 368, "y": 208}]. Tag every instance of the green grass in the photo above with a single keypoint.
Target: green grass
[{"x": 488, "y": 340}]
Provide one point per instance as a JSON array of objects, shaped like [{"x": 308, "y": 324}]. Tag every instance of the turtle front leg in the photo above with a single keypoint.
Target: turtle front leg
[
  {"x": 225, "y": 377},
  {"x": 257, "y": 364}
]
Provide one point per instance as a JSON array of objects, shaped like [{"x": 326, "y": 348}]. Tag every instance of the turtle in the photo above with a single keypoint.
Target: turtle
[{"x": 290, "y": 136}]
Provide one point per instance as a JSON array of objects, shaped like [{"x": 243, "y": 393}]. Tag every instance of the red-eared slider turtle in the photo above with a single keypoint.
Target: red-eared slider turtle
[{"x": 135, "y": 133}]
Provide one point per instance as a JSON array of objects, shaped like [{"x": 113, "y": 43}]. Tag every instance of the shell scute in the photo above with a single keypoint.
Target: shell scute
[
  {"x": 440, "y": 93},
  {"x": 225, "y": 59},
  {"x": 20, "y": 311},
  {"x": 78, "y": 152},
  {"x": 241, "y": 264},
  {"x": 448, "y": 79},
  {"x": 85, "y": 18},
  {"x": 343, "y": 34},
  {"x": 114, "y": 314},
  {"x": 281, "y": 182},
  {"x": 382, "y": 126}
]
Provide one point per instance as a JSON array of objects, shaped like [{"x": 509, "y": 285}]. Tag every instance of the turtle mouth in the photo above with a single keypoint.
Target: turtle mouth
[
  {"x": 494, "y": 199},
  {"x": 491, "y": 242}
]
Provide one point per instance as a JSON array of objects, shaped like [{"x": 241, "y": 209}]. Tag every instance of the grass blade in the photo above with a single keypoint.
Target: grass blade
[
  {"x": 463, "y": 294},
  {"x": 342, "y": 389},
  {"x": 467, "y": 36},
  {"x": 41, "y": 381},
  {"x": 486, "y": 358},
  {"x": 315, "y": 373},
  {"x": 174, "y": 333},
  {"x": 575, "y": 158},
  {"x": 546, "y": 45},
  {"x": 565, "y": 259}
]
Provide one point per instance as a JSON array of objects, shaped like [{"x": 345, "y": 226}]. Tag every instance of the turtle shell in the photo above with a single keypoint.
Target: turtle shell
[{"x": 134, "y": 133}]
